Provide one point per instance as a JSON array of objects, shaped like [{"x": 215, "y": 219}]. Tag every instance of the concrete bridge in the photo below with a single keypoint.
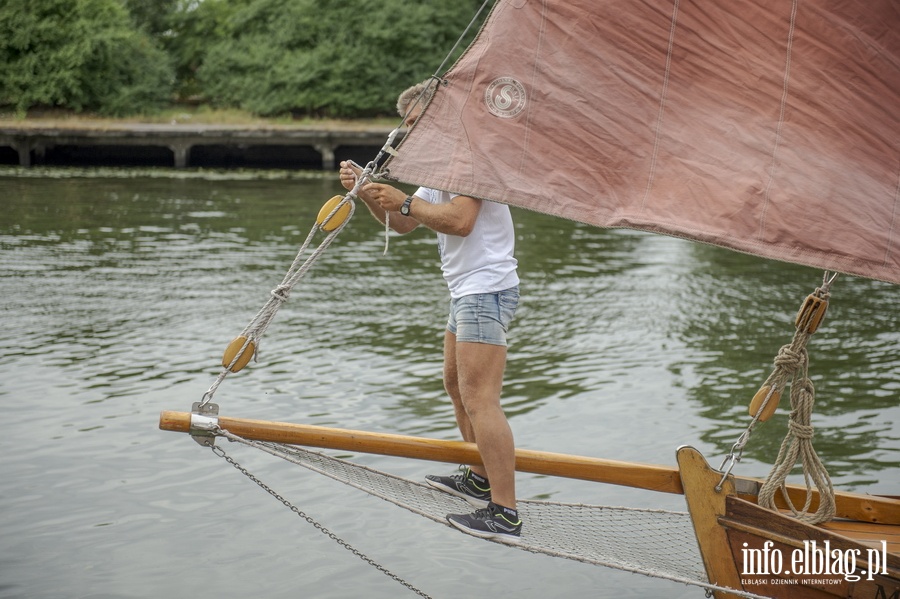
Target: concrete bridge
[{"x": 186, "y": 145}]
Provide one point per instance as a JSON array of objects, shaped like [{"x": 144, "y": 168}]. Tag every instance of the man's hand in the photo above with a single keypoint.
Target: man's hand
[
  {"x": 378, "y": 198},
  {"x": 349, "y": 175},
  {"x": 388, "y": 197}
]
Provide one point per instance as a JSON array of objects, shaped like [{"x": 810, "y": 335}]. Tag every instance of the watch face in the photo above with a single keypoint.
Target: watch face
[{"x": 404, "y": 209}]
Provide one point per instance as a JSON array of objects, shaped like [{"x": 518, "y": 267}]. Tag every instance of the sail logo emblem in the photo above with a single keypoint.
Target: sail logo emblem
[{"x": 505, "y": 97}]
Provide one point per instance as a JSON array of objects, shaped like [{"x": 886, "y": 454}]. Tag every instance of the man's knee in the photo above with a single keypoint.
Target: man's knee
[{"x": 453, "y": 391}]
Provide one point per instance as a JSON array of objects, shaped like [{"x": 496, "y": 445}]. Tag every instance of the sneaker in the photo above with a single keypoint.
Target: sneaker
[
  {"x": 492, "y": 522},
  {"x": 463, "y": 485}
]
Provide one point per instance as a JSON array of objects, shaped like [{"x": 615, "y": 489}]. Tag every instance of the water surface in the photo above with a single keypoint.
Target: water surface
[{"x": 120, "y": 290}]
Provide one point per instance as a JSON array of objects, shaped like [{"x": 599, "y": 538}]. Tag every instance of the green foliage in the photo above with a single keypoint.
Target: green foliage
[
  {"x": 186, "y": 29},
  {"x": 270, "y": 57},
  {"x": 154, "y": 17},
  {"x": 79, "y": 54},
  {"x": 328, "y": 58}
]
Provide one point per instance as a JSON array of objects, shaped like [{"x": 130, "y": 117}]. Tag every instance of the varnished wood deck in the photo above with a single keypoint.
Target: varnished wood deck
[{"x": 867, "y": 533}]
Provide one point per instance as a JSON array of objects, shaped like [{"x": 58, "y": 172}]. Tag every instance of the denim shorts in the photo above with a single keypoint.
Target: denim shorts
[{"x": 483, "y": 317}]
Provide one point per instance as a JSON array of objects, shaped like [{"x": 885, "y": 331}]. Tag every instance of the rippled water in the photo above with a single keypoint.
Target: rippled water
[{"x": 120, "y": 290}]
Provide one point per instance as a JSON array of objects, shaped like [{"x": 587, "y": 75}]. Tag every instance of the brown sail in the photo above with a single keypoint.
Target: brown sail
[{"x": 770, "y": 127}]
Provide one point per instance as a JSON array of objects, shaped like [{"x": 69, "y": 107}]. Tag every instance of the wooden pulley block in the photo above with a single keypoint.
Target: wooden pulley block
[
  {"x": 760, "y": 397},
  {"x": 337, "y": 219},
  {"x": 241, "y": 348},
  {"x": 811, "y": 314}
]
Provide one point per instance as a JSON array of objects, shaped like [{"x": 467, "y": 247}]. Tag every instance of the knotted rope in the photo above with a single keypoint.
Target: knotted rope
[
  {"x": 246, "y": 346},
  {"x": 792, "y": 363},
  {"x": 792, "y": 366},
  {"x": 797, "y": 446}
]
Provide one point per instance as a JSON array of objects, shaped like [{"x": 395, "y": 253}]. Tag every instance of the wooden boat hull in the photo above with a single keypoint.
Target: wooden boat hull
[{"x": 750, "y": 548}]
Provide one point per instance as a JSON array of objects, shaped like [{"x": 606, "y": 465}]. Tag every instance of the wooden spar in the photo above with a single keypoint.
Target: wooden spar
[
  {"x": 664, "y": 479},
  {"x": 655, "y": 478}
]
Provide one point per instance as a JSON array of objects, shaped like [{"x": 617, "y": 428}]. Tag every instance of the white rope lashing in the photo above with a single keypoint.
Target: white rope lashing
[{"x": 246, "y": 346}]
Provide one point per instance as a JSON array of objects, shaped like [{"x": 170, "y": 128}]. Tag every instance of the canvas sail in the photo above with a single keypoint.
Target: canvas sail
[{"x": 770, "y": 127}]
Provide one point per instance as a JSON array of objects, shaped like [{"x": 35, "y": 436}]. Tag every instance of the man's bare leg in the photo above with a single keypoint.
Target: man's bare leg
[
  {"x": 480, "y": 368},
  {"x": 451, "y": 385}
]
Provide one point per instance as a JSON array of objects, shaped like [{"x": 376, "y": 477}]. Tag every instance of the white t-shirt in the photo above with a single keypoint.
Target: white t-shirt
[{"x": 483, "y": 261}]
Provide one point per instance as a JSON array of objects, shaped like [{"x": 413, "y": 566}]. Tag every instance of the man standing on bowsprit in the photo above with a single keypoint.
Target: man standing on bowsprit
[{"x": 476, "y": 240}]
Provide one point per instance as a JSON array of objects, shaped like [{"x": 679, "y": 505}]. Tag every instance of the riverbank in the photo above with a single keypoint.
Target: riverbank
[
  {"x": 184, "y": 114},
  {"x": 193, "y": 137}
]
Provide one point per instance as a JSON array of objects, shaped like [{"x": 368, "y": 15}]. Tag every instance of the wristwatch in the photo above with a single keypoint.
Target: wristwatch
[{"x": 404, "y": 209}]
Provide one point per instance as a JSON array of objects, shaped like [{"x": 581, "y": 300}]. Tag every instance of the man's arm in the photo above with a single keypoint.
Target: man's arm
[{"x": 455, "y": 218}]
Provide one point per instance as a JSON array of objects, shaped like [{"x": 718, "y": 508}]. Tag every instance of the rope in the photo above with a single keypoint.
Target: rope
[
  {"x": 792, "y": 364},
  {"x": 797, "y": 445},
  {"x": 257, "y": 327}
]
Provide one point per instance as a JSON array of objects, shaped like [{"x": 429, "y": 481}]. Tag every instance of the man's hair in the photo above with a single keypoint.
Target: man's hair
[{"x": 423, "y": 92}]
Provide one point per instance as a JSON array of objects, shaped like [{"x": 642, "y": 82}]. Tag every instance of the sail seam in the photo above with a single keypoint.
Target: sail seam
[
  {"x": 662, "y": 104},
  {"x": 890, "y": 239},
  {"x": 534, "y": 75},
  {"x": 784, "y": 96}
]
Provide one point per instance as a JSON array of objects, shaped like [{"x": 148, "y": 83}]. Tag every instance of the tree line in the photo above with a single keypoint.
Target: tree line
[{"x": 318, "y": 58}]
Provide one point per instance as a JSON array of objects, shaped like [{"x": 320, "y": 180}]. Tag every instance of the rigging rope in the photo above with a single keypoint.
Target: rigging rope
[
  {"x": 333, "y": 217},
  {"x": 793, "y": 362},
  {"x": 792, "y": 365},
  {"x": 797, "y": 445}
]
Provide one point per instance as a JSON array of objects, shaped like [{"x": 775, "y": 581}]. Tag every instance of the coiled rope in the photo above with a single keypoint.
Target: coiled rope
[
  {"x": 797, "y": 445},
  {"x": 792, "y": 366},
  {"x": 792, "y": 362}
]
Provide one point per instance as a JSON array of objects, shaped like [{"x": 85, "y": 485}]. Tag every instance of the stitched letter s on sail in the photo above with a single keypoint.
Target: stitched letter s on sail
[{"x": 505, "y": 97}]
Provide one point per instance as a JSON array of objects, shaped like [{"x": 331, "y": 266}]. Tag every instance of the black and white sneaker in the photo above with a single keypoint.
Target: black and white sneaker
[
  {"x": 492, "y": 522},
  {"x": 468, "y": 485}
]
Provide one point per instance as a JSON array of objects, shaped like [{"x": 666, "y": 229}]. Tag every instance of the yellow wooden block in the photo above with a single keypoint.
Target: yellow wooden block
[
  {"x": 242, "y": 349},
  {"x": 337, "y": 219},
  {"x": 758, "y": 400}
]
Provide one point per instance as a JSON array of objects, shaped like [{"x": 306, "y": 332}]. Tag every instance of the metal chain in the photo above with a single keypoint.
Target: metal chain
[{"x": 221, "y": 453}]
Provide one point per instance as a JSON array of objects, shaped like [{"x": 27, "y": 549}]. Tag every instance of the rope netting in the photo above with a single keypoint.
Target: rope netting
[{"x": 657, "y": 543}]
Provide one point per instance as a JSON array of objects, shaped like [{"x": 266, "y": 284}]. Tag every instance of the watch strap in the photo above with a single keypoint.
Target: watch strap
[{"x": 404, "y": 209}]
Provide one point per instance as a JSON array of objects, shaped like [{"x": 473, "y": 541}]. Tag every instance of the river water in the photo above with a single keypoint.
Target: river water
[{"x": 120, "y": 290}]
